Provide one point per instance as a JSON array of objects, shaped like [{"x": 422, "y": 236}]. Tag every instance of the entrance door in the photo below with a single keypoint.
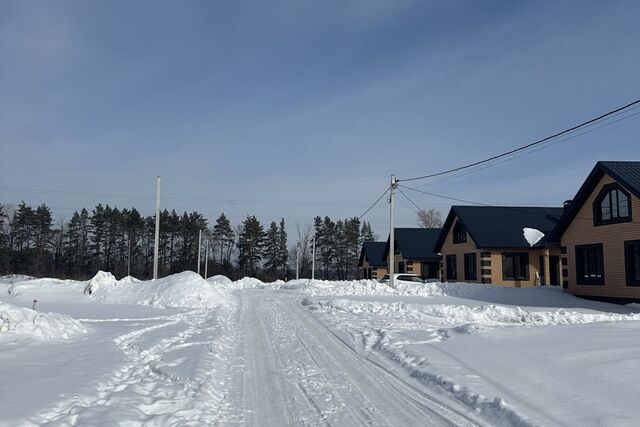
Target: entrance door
[{"x": 554, "y": 270}]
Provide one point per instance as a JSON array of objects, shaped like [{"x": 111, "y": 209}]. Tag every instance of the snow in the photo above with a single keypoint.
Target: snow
[
  {"x": 186, "y": 289},
  {"x": 219, "y": 280},
  {"x": 181, "y": 350},
  {"x": 532, "y": 235},
  {"x": 18, "y": 322},
  {"x": 489, "y": 347}
]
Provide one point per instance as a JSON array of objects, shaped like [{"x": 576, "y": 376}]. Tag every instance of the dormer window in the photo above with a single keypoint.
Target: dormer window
[
  {"x": 613, "y": 205},
  {"x": 459, "y": 233}
]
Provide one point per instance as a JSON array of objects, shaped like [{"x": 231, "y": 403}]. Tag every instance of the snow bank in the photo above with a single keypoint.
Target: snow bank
[
  {"x": 129, "y": 279},
  {"x": 13, "y": 278},
  {"x": 353, "y": 287},
  {"x": 219, "y": 279},
  {"x": 471, "y": 317},
  {"x": 186, "y": 289},
  {"x": 20, "y": 322},
  {"x": 41, "y": 288},
  {"x": 101, "y": 278}
]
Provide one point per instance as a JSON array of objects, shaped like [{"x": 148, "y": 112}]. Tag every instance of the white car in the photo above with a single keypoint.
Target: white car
[{"x": 403, "y": 277}]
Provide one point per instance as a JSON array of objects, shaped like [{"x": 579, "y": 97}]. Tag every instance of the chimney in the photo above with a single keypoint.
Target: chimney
[{"x": 566, "y": 204}]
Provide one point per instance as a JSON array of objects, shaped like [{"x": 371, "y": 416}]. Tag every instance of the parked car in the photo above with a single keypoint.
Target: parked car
[{"x": 403, "y": 277}]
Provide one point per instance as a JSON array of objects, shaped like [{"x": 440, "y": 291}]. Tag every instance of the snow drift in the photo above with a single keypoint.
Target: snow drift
[
  {"x": 352, "y": 287},
  {"x": 181, "y": 290},
  {"x": 219, "y": 279},
  {"x": 23, "y": 322}
]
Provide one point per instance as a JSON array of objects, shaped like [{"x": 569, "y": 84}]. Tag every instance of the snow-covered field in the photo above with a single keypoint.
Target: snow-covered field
[{"x": 186, "y": 351}]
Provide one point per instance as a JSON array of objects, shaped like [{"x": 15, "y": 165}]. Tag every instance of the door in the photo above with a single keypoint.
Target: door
[{"x": 554, "y": 270}]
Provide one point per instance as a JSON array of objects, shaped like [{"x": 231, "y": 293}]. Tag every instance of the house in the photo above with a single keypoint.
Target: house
[
  {"x": 414, "y": 252},
  {"x": 372, "y": 262},
  {"x": 600, "y": 234},
  {"x": 486, "y": 244}
]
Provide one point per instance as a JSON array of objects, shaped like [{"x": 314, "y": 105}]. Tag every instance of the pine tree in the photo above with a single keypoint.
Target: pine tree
[
  {"x": 366, "y": 233},
  {"x": 223, "y": 238},
  {"x": 283, "y": 252},
  {"x": 98, "y": 235},
  {"x": 250, "y": 245},
  {"x": 272, "y": 249}
]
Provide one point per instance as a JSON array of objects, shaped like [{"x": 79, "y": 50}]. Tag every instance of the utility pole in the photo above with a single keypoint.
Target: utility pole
[
  {"x": 129, "y": 258},
  {"x": 199, "y": 247},
  {"x": 313, "y": 259},
  {"x": 156, "y": 243},
  {"x": 392, "y": 237},
  {"x": 206, "y": 257},
  {"x": 297, "y": 262}
]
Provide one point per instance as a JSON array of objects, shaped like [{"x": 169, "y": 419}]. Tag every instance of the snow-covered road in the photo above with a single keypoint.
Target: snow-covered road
[
  {"x": 294, "y": 370},
  {"x": 182, "y": 350}
]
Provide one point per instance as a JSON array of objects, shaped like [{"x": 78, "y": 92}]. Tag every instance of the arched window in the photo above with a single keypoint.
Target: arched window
[
  {"x": 612, "y": 205},
  {"x": 459, "y": 233}
]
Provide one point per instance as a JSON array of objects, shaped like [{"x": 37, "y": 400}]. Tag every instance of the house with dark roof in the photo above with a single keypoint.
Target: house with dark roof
[
  {"x": 600, "y": 234},
  {"x": 486, "y": 244},
  {"x": 372, "y": 263},
  {"x": 414, "y": 252}
]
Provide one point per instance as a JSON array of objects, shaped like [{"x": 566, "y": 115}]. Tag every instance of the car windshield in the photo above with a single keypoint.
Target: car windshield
[{"x": 406, "y": 278}]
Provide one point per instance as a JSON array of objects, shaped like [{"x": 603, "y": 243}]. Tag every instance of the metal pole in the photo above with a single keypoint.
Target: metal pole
[
  {"x": 156, "y": 243},
  {"x": 392, "y": 237},
  {"x": 313, "y": 259},
  {"x": 129, "y": 258},
  {"x": 199, "y": 247},
  {"x": 297, "y": 263},
  {"x": 206, "y": 257}
]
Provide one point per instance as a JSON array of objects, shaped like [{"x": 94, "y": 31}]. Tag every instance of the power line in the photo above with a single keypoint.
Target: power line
[
  {"x": 526, "y": 146},
  {"x": 375, "y": 203},
  {"x": 184, "y": 199},
  {"x": 182, "y": 172},
  {"x": 544, "y": 147},
  {"x": 412, "y": 202}
]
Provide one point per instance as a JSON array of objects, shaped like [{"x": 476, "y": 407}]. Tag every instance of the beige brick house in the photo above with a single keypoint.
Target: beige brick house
[
  {"x": 414, "y": 252},
  {"x": 372, "y": 264},
  {"x": 485, "y": 244},
  {"x": 600, "y": 234}
]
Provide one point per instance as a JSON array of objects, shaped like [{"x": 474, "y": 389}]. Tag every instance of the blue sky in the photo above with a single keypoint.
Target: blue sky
[{"x": 312, "y": 104}]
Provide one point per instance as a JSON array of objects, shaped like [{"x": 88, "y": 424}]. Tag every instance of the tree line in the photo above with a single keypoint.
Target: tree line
[{"x": 122, "y": 241}]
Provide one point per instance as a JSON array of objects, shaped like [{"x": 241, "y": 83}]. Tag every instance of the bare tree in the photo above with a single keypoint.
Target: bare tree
[
  {"x": 304, "y": 246},
  {"x": 429, "y": 218}
]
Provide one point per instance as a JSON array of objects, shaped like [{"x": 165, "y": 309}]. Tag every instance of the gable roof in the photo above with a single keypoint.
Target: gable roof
[
  {"x": 415, "y": 243},
  {"x": 626, "y": 174},
  {"x": 375, "y": 254},
  {"x": 493, "y": 227}
]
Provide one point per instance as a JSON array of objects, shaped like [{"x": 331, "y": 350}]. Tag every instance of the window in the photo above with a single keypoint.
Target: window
[
  {"x": 430, "y": 270},
  {"x": 632, "y": 262},
  {"x": 452, "y": 267},
  {"x": 611, "y": 206},
  {"x": 515, "y": 266},
  {"x": 409, "y": 266},
  {"x": 470, "y": 267},
  {"x": 589, "y": 264},
  {"x": 409, "y": 278},
  {"x": 459, "y": 233},
  {"x": 402, "y": 267}
]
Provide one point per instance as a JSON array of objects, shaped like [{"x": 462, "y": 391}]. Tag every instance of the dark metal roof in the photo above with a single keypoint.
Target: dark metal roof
[
  {"x": 415, "y": 243},
  {"x": 500, "y": 227},
  {"x": 375, "y": 254},
  {"x": 626, "y": 174}
]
